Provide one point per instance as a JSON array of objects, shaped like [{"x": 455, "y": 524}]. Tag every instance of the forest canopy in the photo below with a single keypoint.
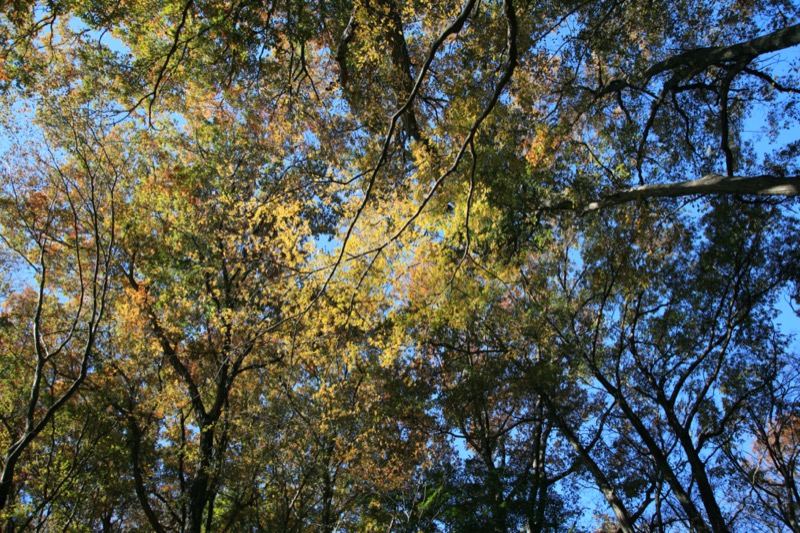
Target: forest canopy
[{"x": 393, "y": 265}]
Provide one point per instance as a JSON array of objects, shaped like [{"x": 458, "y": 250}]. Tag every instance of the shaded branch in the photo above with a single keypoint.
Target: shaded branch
[
  {"x": 697, "y": 60},
  {"x": 702, "y": 58},
  {"x": 710, "y": 184}
]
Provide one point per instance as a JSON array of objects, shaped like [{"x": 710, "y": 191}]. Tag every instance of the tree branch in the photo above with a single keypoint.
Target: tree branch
[
  {"x": 699, "y": 59},
  {"x": 702, "y": 58},
  {"x": 710, "y": 184}
]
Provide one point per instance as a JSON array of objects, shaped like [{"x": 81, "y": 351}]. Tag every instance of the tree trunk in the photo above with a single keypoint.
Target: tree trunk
[
  {"x": 198, "y": 486},
  {"x": 617, "y": 505},
  {"x": 326, "y": 520}
]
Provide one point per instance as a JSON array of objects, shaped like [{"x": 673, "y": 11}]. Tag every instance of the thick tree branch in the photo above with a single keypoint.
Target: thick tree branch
[
  {"x": 341, "y": 50},
  {"x": 691, "y": 62},
  {"x": 702, "y": 58},
  {"x": 710, "y": 184}
]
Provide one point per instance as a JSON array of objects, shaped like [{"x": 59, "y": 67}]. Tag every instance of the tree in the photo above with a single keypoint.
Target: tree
[
  {"x": 480, "y": 371},
  {"x": 208, "y": 261},
  {"x": 348, "y": 235},
  {"x": 680, "y": 353},
  {"x": 768, "y": 468},
  {"x": 59, "y": 230}
]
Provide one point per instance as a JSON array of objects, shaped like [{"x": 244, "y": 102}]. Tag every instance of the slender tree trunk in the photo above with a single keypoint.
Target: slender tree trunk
[
  {"x": 7, "y": 478},
  {"x": 537, "y": 496},
  {"x": 696, "y": 520},
  {"x": 497, "y": 497},
  {"x": 617, "y": 505},
  {"x": 134, "y": 448},
  {"x": 327, "y": 520},
  {"x": 199, "y": 484},
  {"x": 6, "y": 489},
  {"x": 698, "y": 470}
]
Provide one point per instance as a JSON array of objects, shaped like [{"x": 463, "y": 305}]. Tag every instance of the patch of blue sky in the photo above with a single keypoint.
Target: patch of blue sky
[
  {"x": 104, "y": 37},
  {"x": 18, "y": 138}
]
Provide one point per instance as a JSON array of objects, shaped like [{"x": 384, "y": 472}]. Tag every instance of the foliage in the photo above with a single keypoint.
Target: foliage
[{"x": 391, "y": 265}]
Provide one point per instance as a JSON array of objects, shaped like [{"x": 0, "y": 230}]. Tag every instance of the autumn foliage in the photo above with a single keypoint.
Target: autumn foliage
[{"x": 391, "y": 265}]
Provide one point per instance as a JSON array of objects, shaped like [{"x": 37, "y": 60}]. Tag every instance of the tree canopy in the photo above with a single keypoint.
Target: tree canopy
[{"x": 392, "y": 265}]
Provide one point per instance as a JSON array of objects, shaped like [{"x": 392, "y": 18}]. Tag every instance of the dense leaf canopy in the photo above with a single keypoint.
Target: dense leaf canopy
[{"x": 392, "y": 265}]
